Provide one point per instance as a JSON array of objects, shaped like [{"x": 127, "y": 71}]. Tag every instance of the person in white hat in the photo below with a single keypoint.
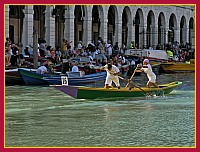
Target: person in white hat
[{"x": 150, "y": 74}]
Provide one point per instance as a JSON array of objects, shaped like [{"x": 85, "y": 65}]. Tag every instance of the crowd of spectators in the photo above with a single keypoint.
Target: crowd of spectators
[
  {"x": 178, "y": 51},
  {"x": 99, "y": 53},
  {"x": 13, "y": 53},
  {"x": 116, "y": 53}
]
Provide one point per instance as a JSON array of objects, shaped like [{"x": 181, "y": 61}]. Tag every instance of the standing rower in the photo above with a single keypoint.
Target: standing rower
[{"x": 112, "y": 75}]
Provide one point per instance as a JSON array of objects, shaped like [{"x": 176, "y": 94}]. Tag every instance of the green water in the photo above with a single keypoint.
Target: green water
[{"x": 43, "y": 116}]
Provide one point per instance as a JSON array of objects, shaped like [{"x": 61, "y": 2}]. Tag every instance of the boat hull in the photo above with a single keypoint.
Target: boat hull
[
  {"x": 32, "y": 78},
  {"x": 13, "y": 80},
  {"x": 13, "y": 76},
  {"x": 95, "y": 93},
  {"x": 91, "y": 78},
  {"x": 177, "y": 67}
]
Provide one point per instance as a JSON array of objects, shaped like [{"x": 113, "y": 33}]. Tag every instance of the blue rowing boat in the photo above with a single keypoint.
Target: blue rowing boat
[
  {"x": 90, "y": 78},
  {"x": 32, "y": 78}
]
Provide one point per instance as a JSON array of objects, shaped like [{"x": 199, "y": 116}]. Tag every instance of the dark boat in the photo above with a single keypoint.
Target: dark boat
[{"x": 13, "y": 77}]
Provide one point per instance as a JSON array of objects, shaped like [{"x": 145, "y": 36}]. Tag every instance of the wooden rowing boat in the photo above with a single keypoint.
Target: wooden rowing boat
[
  {"x": 82, "y": 92},
  {"x": 172, "y": 67},
  {"x": 33, "y": 78},
  {"x": 13, "y": 77},
  {"x": 90, "y": 78}
]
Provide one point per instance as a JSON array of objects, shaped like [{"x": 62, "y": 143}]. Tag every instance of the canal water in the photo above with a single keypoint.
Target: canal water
[{"x": 41, "y": 116}]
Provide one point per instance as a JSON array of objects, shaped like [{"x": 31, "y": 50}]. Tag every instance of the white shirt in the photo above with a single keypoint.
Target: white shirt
[
  {"x": 75, "y": 68},
  {"x": 79, "y": 46},
  {"x": 112, "y": 71},
  {"x": 109, "y": 48},
  {"x": 97, "y": 51},
  {"x": 9, "y": 52},
  {"x": 149, "y": 71},
  {"x": 41, "y": 70},
  {"x": 132, "y": 62},
  {"x": 123, "y": 60},
  {"x": 110, "y": 77}
]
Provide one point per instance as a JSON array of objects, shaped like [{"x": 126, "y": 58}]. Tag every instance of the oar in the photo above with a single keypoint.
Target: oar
[
  {"x": 142, "y": 89},
  {"x": 130, "y": 82},
  {"x": 131, "y": 76}
]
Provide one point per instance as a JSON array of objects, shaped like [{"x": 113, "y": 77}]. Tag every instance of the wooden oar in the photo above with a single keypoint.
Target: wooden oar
[
  {"x": 142, "y": 89},
  {"x": 130, "y": 82},
  {"x": 131, "y": 76}
]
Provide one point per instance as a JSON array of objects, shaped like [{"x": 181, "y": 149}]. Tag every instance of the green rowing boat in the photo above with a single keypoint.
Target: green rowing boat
[{"x": 82, "y": 92}]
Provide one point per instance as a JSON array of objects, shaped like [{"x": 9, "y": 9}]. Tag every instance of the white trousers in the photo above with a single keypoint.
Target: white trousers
[{"x": 112, "y": 78}]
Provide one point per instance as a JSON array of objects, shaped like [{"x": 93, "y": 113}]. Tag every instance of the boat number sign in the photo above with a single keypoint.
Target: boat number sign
[{"x": 64, "y": 80}]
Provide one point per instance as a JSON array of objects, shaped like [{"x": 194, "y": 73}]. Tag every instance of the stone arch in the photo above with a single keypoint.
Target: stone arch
[
  {"x": 126, "y": 26},
  {"x": 16, "y": 16},
  {"x": 59, "y": 12},
  {"x": 39, "y": 20},
  {"x": 183, "y": 30},
  {"x": 101, "y": 20},
  {"x": 161, "y": 30},
  {"x": 97, "y": 16},
  {"x": 151, "y": 29},
  {"x": 191, "y": 32},
  {"x": 172, "y": 28},
  {"x": 139, "y": 29},
  {"x": 79, "y": 14},
  {"x": 112, "y": 19}
]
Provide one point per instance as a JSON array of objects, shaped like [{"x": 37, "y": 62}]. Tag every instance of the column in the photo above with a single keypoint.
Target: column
[
  {"x": 143, "y": 37},
  {"x": 162, "y": 36},
  {"x": 187, "y": 34},
  {"x": 166, "y": 36},
  {"x": 184, "y": 35},
  {"x": 118, "y": 30},
  {"x": 192, "y": 38},
  {"x": 131, "y": 32},
  {"x": 7, "y": 21},
  {"x": 49, "y": 26},
  {"x": 104, "y": 29},
  {"x": 104, "y": 24},
  {"x": 87, "y": 30},
  {"x": 27, "y": 32},
  {"x": 87, "y": 26},
  {"x": 69, "y": 25},
  {"x": 177, "y": 35},
  {"x": 154, "y": 37}
]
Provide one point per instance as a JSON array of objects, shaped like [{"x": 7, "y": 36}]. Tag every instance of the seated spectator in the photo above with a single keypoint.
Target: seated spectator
[
  {"x": 123, "y": 60},
  {"x": 170, "y": 55},
  {"x": 187, "y": 58},
  {"x": 26, "y": 51},
  {"x": 42, "y": 49},
  {"x": 15, "y": 54},
  {"x": 75, "y": 67},
  {"x": 8, "y": 55},
  {"x": 65, "y": 64},
  {"x": 42, "y": 69}
]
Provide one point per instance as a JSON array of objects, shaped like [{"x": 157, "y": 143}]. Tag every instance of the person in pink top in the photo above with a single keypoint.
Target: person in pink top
[{"x": 150, "y": 74}]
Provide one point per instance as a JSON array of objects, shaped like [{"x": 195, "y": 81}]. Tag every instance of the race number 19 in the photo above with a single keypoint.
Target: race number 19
[{"x": 64, "y": 80}]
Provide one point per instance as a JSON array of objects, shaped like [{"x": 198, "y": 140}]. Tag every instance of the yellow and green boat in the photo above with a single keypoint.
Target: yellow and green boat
[
  {"x": 172, "y": 67},
  {"x": 82, "y": 92}
]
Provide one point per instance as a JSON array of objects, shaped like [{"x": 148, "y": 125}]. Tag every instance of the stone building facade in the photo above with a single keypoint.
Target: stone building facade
[{"x": 146, "y": 25}]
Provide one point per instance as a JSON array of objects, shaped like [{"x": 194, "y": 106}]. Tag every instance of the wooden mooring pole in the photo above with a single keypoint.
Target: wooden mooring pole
[{"x": 35, "y": 50}]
